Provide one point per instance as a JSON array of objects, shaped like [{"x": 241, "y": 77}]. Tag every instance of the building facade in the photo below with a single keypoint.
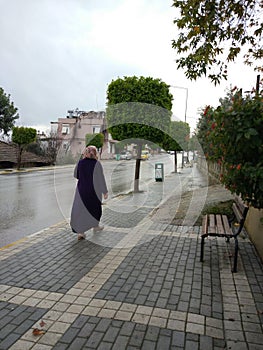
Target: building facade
[{"x": 72, "y": 131}]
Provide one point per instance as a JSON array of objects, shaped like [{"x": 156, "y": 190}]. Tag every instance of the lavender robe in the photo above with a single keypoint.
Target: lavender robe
[{"x": 86, "y": 209}]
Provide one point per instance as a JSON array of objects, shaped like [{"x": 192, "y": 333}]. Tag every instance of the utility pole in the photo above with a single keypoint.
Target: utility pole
[
  {"x": 257, "y": 84},
  {"x": 185, "y": 111}
]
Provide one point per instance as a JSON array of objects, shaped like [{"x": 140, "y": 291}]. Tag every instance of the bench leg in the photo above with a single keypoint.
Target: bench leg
[
  {"x": 202, "y": 248},
  {"x": 235, "y": 256}
]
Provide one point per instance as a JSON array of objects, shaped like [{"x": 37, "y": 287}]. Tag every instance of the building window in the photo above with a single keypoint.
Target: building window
[
  {"x": 54, "y": 127},
  {"x": 96, "y": 129},
  {"x": 65, "y": 129}
]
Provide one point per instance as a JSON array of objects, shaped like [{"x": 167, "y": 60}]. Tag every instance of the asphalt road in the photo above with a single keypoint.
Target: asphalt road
[{"x": 34, "y": 200}]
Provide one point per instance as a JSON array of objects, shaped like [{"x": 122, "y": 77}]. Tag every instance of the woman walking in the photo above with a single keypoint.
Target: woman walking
[{"x": 86, "y": 209}]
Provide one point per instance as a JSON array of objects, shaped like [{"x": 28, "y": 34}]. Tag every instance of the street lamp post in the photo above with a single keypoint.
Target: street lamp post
[
  {"x": 185, "y": 110},
  {"x": 186, "y": 98}
]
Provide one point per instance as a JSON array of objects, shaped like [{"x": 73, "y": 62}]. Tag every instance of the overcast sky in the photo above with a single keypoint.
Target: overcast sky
[{"x": 57, "y": 55}]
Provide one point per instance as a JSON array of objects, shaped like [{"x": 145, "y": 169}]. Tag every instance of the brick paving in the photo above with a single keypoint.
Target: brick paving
[{"x": 136, "y": 285}]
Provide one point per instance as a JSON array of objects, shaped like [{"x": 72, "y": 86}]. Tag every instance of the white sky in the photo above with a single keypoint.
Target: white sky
[{"x": 57, "y": 55}]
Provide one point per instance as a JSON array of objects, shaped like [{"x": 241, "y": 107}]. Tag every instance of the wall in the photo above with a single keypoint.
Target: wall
[
  {"x": 254, "y": 228},
  {"x": 208, "y": 168}
]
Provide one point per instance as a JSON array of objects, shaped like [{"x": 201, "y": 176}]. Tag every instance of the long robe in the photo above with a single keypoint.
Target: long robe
[{"x": 86, "y": 209}]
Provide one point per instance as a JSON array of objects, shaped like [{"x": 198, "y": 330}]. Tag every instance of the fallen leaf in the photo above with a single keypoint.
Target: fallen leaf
[
  {"x": 42, "y": 324},
  {"x": 37, "y": 331}
]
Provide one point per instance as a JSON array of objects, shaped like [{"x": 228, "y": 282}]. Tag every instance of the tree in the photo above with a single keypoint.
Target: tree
[
  {"x": 54, "y": 142},
  {"x": 96, "y": 140},
  {"x": 22, "y": 136},
  {"x": 181, "y": 131},
  {"x": 8, "y": 113},
  {"x": 212, "y": 34},
  {"x": 138, "y": 109},
  {"x": 36, "y": 148},
  {"x": 176, "y": 140},
  {"x": 232, "y": 136}
]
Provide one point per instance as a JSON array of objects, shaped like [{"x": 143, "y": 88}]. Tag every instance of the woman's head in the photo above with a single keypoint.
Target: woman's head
[{"x": 90, "y": 152}]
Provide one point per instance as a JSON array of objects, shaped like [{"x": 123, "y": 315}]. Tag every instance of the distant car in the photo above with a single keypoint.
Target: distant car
[
  {"x": 125, "y": 156},
  {"x": 145, "y": 155}
]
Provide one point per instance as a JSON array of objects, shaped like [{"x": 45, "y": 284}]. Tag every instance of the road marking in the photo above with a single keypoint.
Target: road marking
[{"x": 14, "y": 243}]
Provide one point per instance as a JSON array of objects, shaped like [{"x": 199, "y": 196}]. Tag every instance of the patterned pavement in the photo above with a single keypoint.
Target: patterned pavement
[{"x": 136, "y": 285}]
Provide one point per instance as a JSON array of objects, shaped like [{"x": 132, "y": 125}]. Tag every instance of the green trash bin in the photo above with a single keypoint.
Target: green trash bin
[
  {"x": 118, "y": 156},
  {"x": 159, "y": 173}
]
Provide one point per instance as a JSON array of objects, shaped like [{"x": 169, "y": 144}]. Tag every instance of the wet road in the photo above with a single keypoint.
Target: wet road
[{"x": 30, "y": 202}]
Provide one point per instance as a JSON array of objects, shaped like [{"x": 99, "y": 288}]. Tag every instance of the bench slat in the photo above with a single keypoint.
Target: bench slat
[
  {"x": 219, "y": 224},
  {"x": 243, "y": 208},
  {"x": 212, "y": 221},
  {"x": 226, "y": 225},
  {"x": 237, "y": 212},
  {"x": 211, "y": 229},
  {"x": 204, "y": 224}
]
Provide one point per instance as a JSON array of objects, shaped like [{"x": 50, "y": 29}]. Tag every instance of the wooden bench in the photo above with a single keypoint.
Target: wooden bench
[{"x": 217, "y": 225}]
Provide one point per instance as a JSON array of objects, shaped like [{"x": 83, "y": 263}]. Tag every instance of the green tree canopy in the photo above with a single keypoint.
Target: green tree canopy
[
  {"x": 212, "y": 34},
  {"x": 8, "y": 113},
  {"x": 138, "y": 108},
  {"x": 22, "y": 136},
  {"x": 231, "y": 135},
  {"x": 96, "y": 140}
]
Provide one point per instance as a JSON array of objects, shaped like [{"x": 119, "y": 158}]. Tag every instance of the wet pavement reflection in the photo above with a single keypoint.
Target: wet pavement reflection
[{"x": 30, "y": 202}]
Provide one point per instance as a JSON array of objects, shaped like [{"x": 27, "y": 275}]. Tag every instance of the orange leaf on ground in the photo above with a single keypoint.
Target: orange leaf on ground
[{"x": 37, "y": 331}]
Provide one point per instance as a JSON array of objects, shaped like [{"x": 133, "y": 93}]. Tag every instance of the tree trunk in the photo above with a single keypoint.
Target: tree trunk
[
  {"x": 175, "y": 161},
  {"x": 137, "y": 168}
]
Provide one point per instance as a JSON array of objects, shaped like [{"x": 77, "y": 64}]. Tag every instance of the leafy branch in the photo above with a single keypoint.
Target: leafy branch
[{"x": 212, "y": 34}]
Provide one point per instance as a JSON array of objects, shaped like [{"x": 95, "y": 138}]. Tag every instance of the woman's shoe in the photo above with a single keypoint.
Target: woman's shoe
[
  {"x": 98, "y": 228},
  {"x": 81, "y": 236}
]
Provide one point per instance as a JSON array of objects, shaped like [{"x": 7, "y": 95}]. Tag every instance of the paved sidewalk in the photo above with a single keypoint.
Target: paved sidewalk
[{"x": 136, "y": 285}]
